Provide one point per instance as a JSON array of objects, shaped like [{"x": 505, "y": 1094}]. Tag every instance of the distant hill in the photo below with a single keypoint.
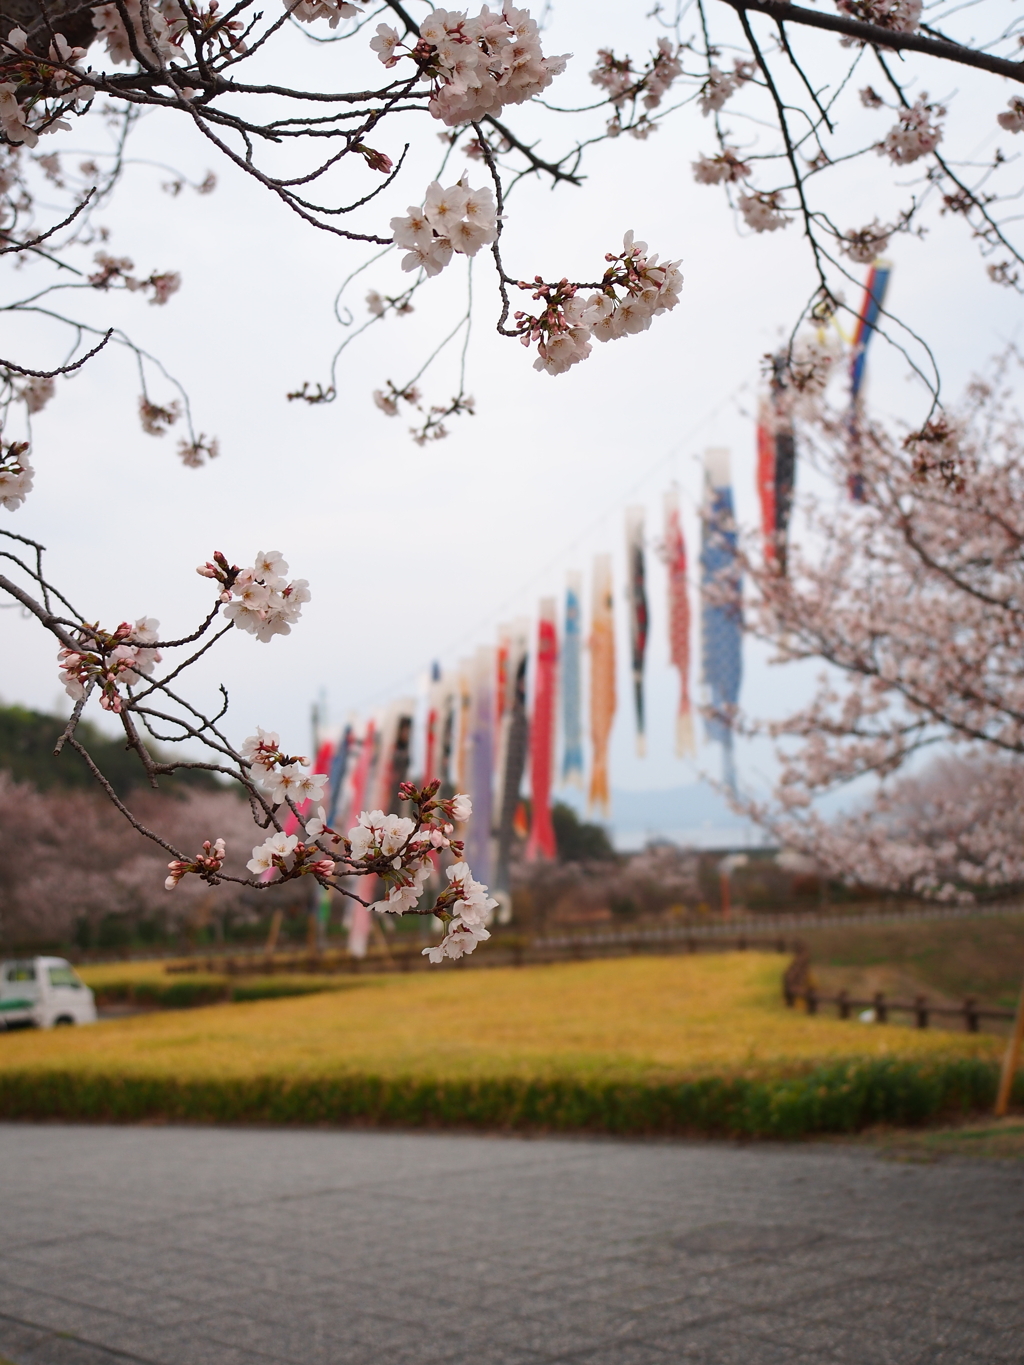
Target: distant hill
[{"x": 27, "y": 740}]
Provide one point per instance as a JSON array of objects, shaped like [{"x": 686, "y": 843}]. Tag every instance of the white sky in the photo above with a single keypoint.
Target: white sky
[{"x": 415, "y": 555}]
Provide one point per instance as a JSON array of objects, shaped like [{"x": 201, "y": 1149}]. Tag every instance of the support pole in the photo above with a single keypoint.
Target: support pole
[
  {"x": 275, "y": 929},
  {"x": 1010, "y": 1059}
]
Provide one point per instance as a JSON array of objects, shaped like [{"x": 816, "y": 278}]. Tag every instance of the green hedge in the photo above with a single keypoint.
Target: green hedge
[
  {"x": 838, "y": 1098},
  {"x": 188, "y": 994}
]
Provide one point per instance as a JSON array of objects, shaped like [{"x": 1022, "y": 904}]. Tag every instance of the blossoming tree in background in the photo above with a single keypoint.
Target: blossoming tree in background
[
  {"x": 336, "y": 154},
  {"x": 915, "y": 597}
]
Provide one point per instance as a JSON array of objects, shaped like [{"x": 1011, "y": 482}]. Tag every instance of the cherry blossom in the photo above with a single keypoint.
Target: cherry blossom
[
  {"x": 156, "y": 419},
  {"x": 110, "y": 660},
  {"x": 475, "y": 66},
  {"x": 260, "y": 600},
  {"x": 272, "y": 852},
  {"x": 720, "y": 85},
  {"x": 864, "y": 244},
  {"x": 763, "y": 212},
  {"x": 724, "y": 168},
  {"x": 209, "y": 861},
  {"x": 901, "y": 16},
  {"x": 564, "y": 329},
  {"x": 622, "y": 82},
  {"x": 36, "y": 392},
  {"x": 1013, "y": 119},
  {"x": 307, "y": 11},
  {"x": 15, "y": 474},
  {"x": 915, "y": 134},
  {"x": 458, "y": 219},
  {"x": 110, "y": 27}
]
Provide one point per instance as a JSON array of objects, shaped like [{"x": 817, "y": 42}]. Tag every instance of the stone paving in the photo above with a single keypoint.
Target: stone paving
[{"x": 193, "y": 1246}]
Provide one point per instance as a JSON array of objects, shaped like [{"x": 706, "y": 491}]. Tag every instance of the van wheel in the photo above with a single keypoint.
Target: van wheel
[{"x": 64, "y": 1019}]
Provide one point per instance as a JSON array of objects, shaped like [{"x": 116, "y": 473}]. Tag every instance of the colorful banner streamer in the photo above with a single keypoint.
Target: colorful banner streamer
[
  {"x": 514, "y": 746},
  {"x": 602, "y": 681},
  {"x": 481, "y": 764},
  {"x": 358, "y": 916},
  {"x": 636, "y": 591},
  {"x": 433, "y": 724},
  {"x": 542, "y": 734},
  {"x": 679, "y": 620},
  {"x": 721, "y": 609},
  {"x": 776, "y": 465},
  {"x": 572, "y": 717},
  {"x": 867, "y": 323}
]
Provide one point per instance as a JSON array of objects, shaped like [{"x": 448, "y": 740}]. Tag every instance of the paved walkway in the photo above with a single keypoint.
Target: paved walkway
[{"x": 243, "y": 1247}]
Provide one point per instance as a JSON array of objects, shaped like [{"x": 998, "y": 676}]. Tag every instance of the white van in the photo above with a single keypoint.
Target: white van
[{"x": 43, "y": 991}]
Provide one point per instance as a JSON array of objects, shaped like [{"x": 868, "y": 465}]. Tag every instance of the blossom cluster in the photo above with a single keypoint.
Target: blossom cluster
[
  {"x": 814, "y": 358},
  {"x": 259, "y": 600},
  {"x": 209, "y": 861},
  {"x": 110, "y": 660},
  {"x": 15, "y": 474},
  {"x": 289, "y": 855},
  {"x": 471, "y": 910},
  {"x": 47, "y": 89},
  {"x": 331, "y": 10},
  {"x": 623, "y": 83},
  {"x": 110, "y": 28},
  {"x": 901, "y": 16},
  {"x": 401, "y": 847},
  {"x": 763, "y": 212},
  {"x": 915, "y": 135},
  {"x": 936, "y": 450},
  {"x": 725, "y": 168},
  {"x": 617, "y": 76},
  {"x": 158, "y": 32},
  {"x": 721, "y": 85},
  {"x": 864, "y": 244},
  {"x": 117, "y": 269},
  {"x": 395, "y": 838},
  {"x": 1012, "y": 119},
  {"x": 156, "y": 419},
  {"x": 475, "y": 66},
  {"x": 454, "y": 219},
  {"x": 282, "y": 777},
  {"x": 564, "y": 329},
  {"x": 36, "y": 392}
]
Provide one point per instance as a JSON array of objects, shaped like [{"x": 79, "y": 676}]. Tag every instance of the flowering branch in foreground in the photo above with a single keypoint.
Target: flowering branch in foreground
[
  {"x": 634, "y": 289},
  {"x": 122, "y": 668}
]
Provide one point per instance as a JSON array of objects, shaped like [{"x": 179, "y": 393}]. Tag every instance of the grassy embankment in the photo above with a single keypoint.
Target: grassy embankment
[
  {"x": 641, "y": 1045},
  {"x": 945, "y": 959}
]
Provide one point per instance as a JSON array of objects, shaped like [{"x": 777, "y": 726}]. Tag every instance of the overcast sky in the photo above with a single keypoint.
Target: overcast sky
[{"x": 415, "y": 555}]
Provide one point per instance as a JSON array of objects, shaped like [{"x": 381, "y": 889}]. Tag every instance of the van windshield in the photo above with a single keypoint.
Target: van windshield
[
  {"x": 63, "y": 976},
  {"x": 21, "y": 971}
]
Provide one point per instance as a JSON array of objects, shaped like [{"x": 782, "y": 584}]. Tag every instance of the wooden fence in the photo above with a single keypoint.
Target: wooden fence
[
  {"x": 920, "y": 1007},
  {"x": 499, "y": 953}
]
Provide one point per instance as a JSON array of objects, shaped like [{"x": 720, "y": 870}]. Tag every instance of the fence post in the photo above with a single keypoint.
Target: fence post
[
  {"x": 921, "y": 1011},
  {"x": 1010, "y": 1060},
  {"x": 843, "y": 1001},
  {"x": 812, "y": 1000},
  {"x": 881, "y": 1012},
  {"x": 971, "y": 1014}
]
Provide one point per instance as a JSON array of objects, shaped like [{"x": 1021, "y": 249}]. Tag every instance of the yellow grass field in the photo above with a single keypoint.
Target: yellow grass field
[{"x": 648, "y": 1020}]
